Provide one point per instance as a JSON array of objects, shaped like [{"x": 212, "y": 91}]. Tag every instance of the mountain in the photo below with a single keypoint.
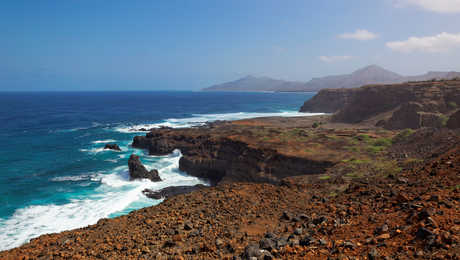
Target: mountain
[
  {"x": 251, "y": 83},
  {"x": 434, "y": 75},
  {"x": 372, "y": 74}
]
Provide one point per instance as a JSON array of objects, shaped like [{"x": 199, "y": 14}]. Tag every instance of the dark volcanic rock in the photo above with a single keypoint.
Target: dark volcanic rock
[
  {"x": 219, "y": 159},
  {"x": 328, "y": 101},
  {"x": 406, "y": 116},
  {"x": 397, "y": 106},
  {"x": 138, "y": 171},
  {"x": 171, "y": 191},
  {"x": 114, "y": 147},
  {"x": 454, "y": 121}
]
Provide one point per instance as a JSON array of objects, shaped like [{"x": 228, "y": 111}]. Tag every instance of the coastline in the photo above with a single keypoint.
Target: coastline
[{"x": 230, "y": 218}]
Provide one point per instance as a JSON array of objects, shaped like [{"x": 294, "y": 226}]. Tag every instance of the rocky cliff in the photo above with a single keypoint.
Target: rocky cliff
[
  {"x": 220, "y": 159},
  {"x": 395, "y": 106}
]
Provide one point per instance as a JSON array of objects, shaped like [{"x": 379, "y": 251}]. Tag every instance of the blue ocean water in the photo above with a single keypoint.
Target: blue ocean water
[{"x": 54, "y": 174}]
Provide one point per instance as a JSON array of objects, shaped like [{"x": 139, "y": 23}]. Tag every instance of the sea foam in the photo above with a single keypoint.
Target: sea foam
[
  {"x": 201, "y": 119},
  {"x": 104, "y": 141},
  {"x": 115, "y": 196}
]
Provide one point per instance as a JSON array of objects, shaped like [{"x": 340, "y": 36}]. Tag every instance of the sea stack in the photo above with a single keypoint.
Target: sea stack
[
  {"x": 114, "y": 147},
  {"x": 138, "y": 171}
]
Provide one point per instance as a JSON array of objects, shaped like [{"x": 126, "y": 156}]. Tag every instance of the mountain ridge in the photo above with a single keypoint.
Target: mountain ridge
[{"x": 372, "y": 74}]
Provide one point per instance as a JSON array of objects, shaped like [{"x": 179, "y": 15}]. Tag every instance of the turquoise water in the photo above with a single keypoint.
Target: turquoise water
[{"x": 54, "y": 174}]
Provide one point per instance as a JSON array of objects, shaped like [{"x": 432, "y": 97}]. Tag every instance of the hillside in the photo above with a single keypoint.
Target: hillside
[
  {"x": 392, "y": 106},
  {"x": 372, "y": 74}
]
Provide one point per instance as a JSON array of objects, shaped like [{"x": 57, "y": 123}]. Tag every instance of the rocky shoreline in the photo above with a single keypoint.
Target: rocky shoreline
[{"x": 294, "y": 188}]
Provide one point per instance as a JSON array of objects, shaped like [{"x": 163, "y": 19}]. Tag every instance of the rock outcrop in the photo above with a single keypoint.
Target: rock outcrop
[
  {"x": 114, "y": 147},
  {"x": 221, "y": 159},
  {"x": 138, "y": 171},
  {"x": 171, "y": 191},
  {"x": 397, "y": 106},
  {"x": 327, "y": 101}
]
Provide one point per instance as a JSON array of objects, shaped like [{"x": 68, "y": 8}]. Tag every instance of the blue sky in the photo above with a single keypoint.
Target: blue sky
[{"x": 150, "y": 45}]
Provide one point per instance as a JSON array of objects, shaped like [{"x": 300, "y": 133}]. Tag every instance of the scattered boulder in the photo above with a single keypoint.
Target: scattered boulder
[
  {"x": 138, "y": 171},
  {"x": 252, "y": 251},
  {"x": 267, "y": 243},
  {"x": 114, "y": 147}
]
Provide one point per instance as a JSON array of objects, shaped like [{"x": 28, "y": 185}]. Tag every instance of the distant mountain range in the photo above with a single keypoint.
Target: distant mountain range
[{"x": 372, "y": 74}]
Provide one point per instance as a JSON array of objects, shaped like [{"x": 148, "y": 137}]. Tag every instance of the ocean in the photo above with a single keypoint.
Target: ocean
[{"x": 55, "y": 174}]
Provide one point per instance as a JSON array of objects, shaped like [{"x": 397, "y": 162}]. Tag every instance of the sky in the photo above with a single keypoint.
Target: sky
[{"x": 189, "y": 45}]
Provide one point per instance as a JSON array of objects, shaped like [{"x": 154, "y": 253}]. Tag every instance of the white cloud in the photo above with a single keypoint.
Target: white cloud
[
  {"x": 442, "y": 42},
  {"x": 360, "y": 34},
  {"x": 330, "y": 59},
  {"x": 439, "y": 6}
]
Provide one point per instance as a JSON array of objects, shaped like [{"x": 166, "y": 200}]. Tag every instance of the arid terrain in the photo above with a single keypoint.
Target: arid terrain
[{"x": 318, "y": 187}]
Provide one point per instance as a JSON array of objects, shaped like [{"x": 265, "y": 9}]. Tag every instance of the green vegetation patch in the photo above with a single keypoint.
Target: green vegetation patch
[
  {"x": 385, "y": 142},
  {"x": 444, "y": 120},
  {"x": 354, "y": 175},
  {"x": 403, "y": 135},
  {"x": 452, "y": 105},
  {"x": 363, "y": 138}
]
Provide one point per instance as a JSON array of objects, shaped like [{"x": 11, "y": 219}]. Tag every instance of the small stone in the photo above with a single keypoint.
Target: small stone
[
  {"x": 403, "y": 180},
  {"x": 252, "y": 251},
  {"x": 294, "y": 242},
  {"x": 285, "y": 216},
  {"x": 423, "y": 233},
  {"x": 266, "y": 255},
  {"x": 322, "y": 242},
  {"x": 419, "y": 253},
  {"x": 295, "y": 219},
  {"x": 219, "y": 242},
  {"x": 281, "y": 242},
  {"x": 269, "y": 235},
  {"x": 169, "y": 243},
  {"x": 349, "y": 245},
  {"x": 434, "y": 198},
  {"x": 319, "y": 220},
  {"x": 267, "y": 243},
  {"x": 384, "y": 228},
  {"x": 373, "y": 254},
  {"x": 383, "y": 236},
  {"x": 303, "y": 217},
  {"x": 425, "y": 214},
  {"x": 306, "y": 241},
  {"x": 298, "y": 231},
  {"x": 188, "y": 226}
]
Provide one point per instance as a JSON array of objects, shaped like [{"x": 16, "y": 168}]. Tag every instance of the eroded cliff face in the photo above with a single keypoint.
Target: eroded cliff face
[
  {"x": 221, "y": 159},
  {"x": 407, "y": 105},
  {"x": 328, "y": 101}
]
